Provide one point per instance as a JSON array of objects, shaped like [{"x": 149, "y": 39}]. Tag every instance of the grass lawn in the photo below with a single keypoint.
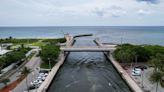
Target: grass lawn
[
  {"x": 39, "y": 43},
  {"x": 44, "y": 65}
]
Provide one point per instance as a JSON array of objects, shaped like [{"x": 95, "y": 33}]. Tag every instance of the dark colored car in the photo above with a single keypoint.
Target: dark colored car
[{"x": 141, "y": 67}]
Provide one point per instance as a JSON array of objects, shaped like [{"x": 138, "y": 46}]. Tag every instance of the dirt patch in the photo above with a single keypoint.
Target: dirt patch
[{"x": 12, "y": 85}]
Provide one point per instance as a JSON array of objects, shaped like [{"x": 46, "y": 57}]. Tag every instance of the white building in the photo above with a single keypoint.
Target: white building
[{"x": 2, "y": 51}]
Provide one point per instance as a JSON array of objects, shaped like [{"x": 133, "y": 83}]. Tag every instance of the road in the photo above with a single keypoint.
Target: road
[
  {"x": 15, "y": 76},
  {"x": 33, "y": 64}
]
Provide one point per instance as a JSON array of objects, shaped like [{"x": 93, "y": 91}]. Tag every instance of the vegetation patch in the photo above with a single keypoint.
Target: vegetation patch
[
  {"x": 49, "y": 54},
  {"x": 14, "y": 56},
  {"x": 153, "y": 55},
  {"x": 128, "y": 53}
]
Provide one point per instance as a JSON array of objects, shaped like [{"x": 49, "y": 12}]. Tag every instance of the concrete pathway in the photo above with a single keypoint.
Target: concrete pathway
[
  {"x": 51, "y": 74},
  {"x": 15, "y": 76},
  {"x": 33, "y": 64},
  {"x": 126, "y": 76},
  {"x": 147, "y": 85}
]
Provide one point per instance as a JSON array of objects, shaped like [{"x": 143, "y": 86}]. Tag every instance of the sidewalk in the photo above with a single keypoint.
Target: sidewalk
[
  {"x": 32, "y": 64},
  {"x": 125, "y": 75},
  {"x": 16, "y": 74}
]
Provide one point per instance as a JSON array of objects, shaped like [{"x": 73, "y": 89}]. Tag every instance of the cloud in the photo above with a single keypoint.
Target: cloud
[
  {"x": 61, "y": 12},
  {"x": 100, "y": 12},
  {"x": 117, "y": 11},
  {"x": 150, "y": 1},
  {"x": 114, "y": 11},
  {"x": 144, "y": 12}
]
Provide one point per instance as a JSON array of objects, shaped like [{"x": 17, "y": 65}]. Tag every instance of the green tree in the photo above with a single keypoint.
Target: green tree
[
  {"x": 158, "y": 74},
  {"x": 157, "y": 62},
  {"x": 131, "y": 53},
  {"x": 156, "y": 77},
  {"x": 25, "y": 73},
  {"x": 5, "y": 81},
  {"x": 10, "y": 38},
  {"x": 22, "y": 46},
  {"x": 1, "y": 62},
  {"x": 49, "y": 53}
]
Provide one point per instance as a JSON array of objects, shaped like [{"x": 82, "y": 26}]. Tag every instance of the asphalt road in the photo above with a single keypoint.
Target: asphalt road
[{"x": 33, "y": 64}]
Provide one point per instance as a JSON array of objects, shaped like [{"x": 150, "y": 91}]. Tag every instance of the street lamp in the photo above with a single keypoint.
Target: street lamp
[
  {"x": 33, "y": 73},
  {"x": 49, "y": 63},
  {"x": 142, "y": 77}
]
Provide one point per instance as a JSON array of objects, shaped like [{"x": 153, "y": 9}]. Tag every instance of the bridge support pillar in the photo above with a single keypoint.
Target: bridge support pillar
[
  {"x": 65, "y": 53},
  {"x": 109, "y": 53}
]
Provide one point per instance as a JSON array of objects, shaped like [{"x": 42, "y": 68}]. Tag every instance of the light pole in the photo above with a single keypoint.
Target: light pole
[
  {"x": 33, "y": 73},
  {"x": 136, "y": 59},
  {"x": 27, "y": 84},
  {"x": 142, "y": 77},
  {"x": 49, "y": 63},
  {"x": 121, "y": 41}
]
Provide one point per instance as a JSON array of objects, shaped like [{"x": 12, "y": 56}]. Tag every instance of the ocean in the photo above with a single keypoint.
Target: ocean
[{"x": 107, "y": 34}]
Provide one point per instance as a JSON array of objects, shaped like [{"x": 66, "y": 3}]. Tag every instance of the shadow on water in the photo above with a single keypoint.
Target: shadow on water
[{"x": 87, "y": 72}]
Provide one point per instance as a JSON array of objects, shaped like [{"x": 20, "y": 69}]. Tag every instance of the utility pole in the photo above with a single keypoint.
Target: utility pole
[{"x": 49, "y": 63}]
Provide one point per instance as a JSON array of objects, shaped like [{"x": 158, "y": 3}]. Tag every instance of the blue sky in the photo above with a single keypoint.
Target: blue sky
[{"x": 81, "y": 12}]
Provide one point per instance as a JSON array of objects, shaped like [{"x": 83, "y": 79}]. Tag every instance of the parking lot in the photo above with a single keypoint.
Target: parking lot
[{"x": 143, "y": 80}]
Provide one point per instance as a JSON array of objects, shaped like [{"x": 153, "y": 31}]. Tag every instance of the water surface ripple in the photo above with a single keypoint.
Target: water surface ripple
[{"x": 87, "y": 72}]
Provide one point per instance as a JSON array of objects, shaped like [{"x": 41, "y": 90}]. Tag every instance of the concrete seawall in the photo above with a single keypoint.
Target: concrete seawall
[
  {"x": 52, "y": 74},
  {"x": 131, "y": 83},
  {"x": 54, "y": 70},
  {"x": 83, "y": 35},
  {"x": 63, "y": 56}
]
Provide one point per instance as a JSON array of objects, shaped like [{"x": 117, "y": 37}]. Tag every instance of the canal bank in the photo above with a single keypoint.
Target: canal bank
[
  {"x": 131, "y": 83},
  {"x": 87, "y": 71},
  {"x": 52, "y": 73},
  {"x": 62, "y": 56},
  {"x": 125, "y": 76}
]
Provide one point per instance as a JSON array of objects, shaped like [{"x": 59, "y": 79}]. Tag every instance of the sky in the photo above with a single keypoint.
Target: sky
[{"x": 81, "y": 12}]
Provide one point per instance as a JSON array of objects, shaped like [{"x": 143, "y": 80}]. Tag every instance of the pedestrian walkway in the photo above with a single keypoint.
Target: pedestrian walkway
[
  {"x": 125, "y": 76},
  {"x": 33, "y": 64}
]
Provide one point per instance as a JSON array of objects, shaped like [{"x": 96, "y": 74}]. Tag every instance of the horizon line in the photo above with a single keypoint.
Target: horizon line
[{"x": 92, "y": 26}]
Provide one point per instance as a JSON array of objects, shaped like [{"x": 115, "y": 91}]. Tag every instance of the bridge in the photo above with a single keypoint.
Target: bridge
[
  {"x": 100, "y": 47},
  {"x": 87, "y": 48}
]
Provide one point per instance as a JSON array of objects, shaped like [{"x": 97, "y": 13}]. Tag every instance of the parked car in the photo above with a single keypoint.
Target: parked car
[
  {"x": 41, "y": 77},
  {"x": 31, "y": 87},
  {"x": 136, "y": 72},
  {"x": 141, "y": 67}
]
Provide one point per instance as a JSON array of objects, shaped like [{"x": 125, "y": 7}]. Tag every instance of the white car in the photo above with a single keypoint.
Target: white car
[
  {"x": 136, "y": 72},
  {"x": 36, "y": 82},
  {"x": 43, "y": 78},
  {"x": 46, "y": 74},
  {"x": 41, "y": 74}
]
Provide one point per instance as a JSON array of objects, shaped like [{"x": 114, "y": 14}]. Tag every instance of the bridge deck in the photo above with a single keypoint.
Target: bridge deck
[{"x": 87, "y": 48}]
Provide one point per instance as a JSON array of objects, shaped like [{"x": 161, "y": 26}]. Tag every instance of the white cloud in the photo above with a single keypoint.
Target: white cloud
[
  {"x": 114, "y": 11},
  {"x": 144, "y": 12},
  {"x": 50, "y": 12}
]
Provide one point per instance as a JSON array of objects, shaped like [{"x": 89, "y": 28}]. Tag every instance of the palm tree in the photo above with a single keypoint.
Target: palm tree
[
  {"x": 155, "y": 62},
  {"x": 1, "y": 66},
  {"x": 5, "y": 81},
  {"x": 25, "y": 73},
  {"x": 156, "y": 77}
]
